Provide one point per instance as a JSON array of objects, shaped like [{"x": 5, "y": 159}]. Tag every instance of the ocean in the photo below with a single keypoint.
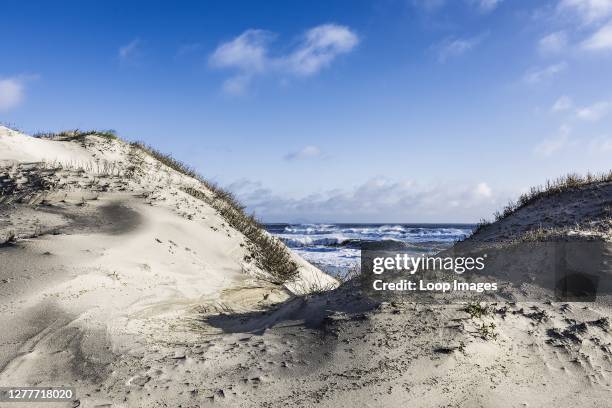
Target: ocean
[{"x": 334, "y": 248}]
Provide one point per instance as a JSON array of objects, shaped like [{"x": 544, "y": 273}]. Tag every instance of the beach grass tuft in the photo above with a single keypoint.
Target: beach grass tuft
[
  {"x": 476, "y": 310},
  {"x": 550, "y": 188},
  {"x": 168, "y": 160},
  {"x": 270, "y": 253},
  {"x": 77, "y": 134}
]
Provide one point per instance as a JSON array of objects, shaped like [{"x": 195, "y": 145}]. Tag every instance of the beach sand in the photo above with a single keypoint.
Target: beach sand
[{"x": 139, "y": 295}]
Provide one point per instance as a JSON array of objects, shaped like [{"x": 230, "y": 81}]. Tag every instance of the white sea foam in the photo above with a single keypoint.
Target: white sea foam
[{"x": 336, "y": 246}]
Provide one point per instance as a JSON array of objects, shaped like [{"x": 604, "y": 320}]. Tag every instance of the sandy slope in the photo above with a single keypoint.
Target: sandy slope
[
  {"x": 108, "y": 264},
  {"x": 140, "y": 297}
]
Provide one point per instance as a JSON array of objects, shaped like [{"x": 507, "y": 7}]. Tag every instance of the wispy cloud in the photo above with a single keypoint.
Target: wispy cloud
[
  {"x": 430, "y": 6},
  {"x": 587, "y": 26},
  {"x": 564, "y": 141},
  {"x": 319, "y": 47},
  {"x": 552, "y": 145},
  {"x": 553, "y": 43},
  {"x": 11, "y": 93},
  {"x": 589, "y": 11},
  {"x": 600, "y": 40},
  {"x": 486, "y": 6},
  {"x": 601, "y": 145},
  {"x": 563, "y": 103},
  {"x": 307, "y": 152},
  {"x": 236, "y": 85},
  {"x": 249, "y": 54},
  {"x": 483, "y": 190},
  {"x": 595, "y": 111},
  {"x": 537, "y": 75},
  {"x": 13, "y": 90},
  {"x": 130, "y": 51},
  {"x": 454, "y": 47}
]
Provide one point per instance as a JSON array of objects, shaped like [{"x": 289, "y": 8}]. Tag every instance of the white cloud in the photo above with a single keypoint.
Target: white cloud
[
  {"x": 430, "y": 6},
  {"x": 537, "y": 75},
  {"x": 601, "y": 145},
  {"x": 600, "y": 40},
  {"x": 553, "y": 43},
  {"x": 589, "y": 11},
  {"x": 376, "y": 200},
  {"x": 552, "y": 145},
  {"x": 487, "y": 6},
  {"x": 483, "y": 190},
  {"x": 564, "y": 141},
  {"x": 320, "y": 47},
  {"x": 249, "y": 54},
  {"x": 595, "y": 111},
  {"x": 237, "y": 85},
  {"x": 563, "y": 103},
  {"x": 129, "y": 50},
  {"x": 308, "y": 152},
  {"x": 455, "y": 47},
  {"x": 12, "y": 93}
]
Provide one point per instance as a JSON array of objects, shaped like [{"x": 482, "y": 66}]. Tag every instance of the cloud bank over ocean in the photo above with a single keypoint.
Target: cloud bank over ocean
[{"x": 376, "y": 200}]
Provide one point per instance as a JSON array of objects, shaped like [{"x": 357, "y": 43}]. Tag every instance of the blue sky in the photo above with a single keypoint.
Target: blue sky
[{"x": 354, "y": 111}]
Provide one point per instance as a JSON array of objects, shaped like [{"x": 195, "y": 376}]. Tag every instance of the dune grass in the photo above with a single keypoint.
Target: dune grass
[
  {"x": 549, "y": 189},
  {"x": 270, "y": 254},
  {"x": 168, "y": 160},
  {"x": 77, "y": 134}
]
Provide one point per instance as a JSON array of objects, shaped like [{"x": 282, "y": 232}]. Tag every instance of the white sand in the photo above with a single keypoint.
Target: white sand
[
  {"x": 139, "y": 295},
  {"x": 17, "y": 147}
]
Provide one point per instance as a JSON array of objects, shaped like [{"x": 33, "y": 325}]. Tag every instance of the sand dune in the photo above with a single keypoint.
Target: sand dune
[
  {"x": 117, "y": 282},
  {"x": 98, "y": 264}
]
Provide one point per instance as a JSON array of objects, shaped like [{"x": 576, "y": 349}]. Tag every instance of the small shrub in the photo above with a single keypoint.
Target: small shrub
[
  {"x": 476, "y": 310},
  {"x": 487, "y": 331}
]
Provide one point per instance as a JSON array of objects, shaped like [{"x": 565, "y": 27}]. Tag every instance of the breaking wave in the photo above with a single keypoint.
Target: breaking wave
[{"x": 334, "y": 247}]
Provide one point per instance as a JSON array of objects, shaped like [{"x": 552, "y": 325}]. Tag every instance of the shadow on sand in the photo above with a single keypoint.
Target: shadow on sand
[{"x": 318, "y": 312}]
